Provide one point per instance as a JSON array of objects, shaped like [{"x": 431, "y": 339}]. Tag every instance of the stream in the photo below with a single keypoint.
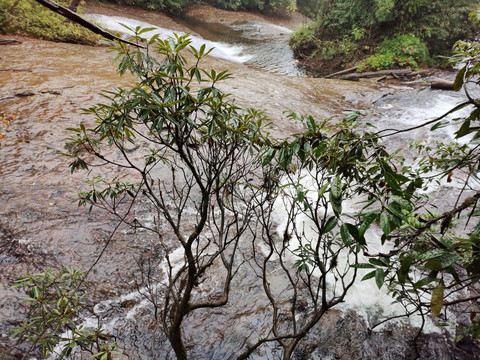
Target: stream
[{"x": 45, "y": 85}]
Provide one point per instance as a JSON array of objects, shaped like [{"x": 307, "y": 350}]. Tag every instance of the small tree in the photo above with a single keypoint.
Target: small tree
[{"x": 184, "y": 149}]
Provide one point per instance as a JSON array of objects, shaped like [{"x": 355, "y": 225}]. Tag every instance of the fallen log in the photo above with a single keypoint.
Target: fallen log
[
  {"x": 25, "y": 70},
  {"x": 425, "y": 72},
  {"x": 8, "y": 41},
  {"x": 346, "y": 71},
  {"x": 441, "y": 84},
  {"x": 71, "y": 15},
  {"x": 373, "y": 74}
]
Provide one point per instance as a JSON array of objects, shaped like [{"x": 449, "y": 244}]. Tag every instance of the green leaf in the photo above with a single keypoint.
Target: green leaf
[
  {"x": 434, "y": 265},
  {"x": 363, "y": 266},
  {"x": 330, "y": 224},
  {"x": 436, "y": 303},
  {"x": 385, "y": 224},
  {"x": 268, "y": 158},
  {"x": 144, "y": 30},
  {"x": 352, "y": 229},
  {"x": 430, "y": 254},
  {"x": 366, "y": 222},
  {"x": 458, "y": 83},
  {"x": 379, "y": 277},
  {"x": 336, "y": 205},
  {"x": 440, "y": 124},
  {"x": 404, "y": 269},
  {"x": 336, "y": 188},
  {"x": 345, "y": 235},
  {"x": 369, "y": 275},
  {"x": 405, "y": 204},
  {"x": 395, "y": 211},
  {"x": 464, "y": 129},
  {"x": 377, "y": 262},
  {"x": 423, "y": 282},
  {"x": 322, "y": 190},
  {"x": 392, "y": 182}
]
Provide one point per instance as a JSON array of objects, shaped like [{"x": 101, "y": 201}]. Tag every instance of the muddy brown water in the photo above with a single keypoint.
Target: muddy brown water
[{"x": 45, "y": 85}]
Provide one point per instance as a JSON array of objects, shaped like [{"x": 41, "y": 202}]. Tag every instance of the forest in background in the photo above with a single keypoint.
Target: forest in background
[{"x": 373, "y": 35}]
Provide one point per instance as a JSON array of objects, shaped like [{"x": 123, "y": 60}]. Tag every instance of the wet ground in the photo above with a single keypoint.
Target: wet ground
[{"x": 45, "y": 85}]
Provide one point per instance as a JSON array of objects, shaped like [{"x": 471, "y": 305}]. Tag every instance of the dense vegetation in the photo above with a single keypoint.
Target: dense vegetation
[
  {"x": 376, "y": 34},
  {"x": 182, "y": 146},
  {"x": 27, "y": 18},
  {"x": 387, "y": 33},
  {"x": 173, "y": 6}
]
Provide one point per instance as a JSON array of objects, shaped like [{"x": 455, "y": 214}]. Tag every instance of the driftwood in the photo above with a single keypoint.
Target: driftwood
[
  {"x": 425, "y": 72},
  {"x": 19, "y": 70},
  {"x": 71, "y": 15},
  {"x": 346, "y": 71},
  {"x": 373, "y": 74},
  {"x": 8, "y": 41},
  {"x": 441, "y": 84}
]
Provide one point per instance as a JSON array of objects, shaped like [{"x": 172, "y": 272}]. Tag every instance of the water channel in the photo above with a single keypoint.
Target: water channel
[{"x": 46, "y": 84}]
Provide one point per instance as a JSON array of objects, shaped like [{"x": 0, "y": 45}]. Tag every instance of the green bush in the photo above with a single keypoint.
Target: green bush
[
  {"x": 400, "y": 51},
  {"x": 435, "y": 24},
  {"x": 28, "y": 18},
  {"x": 167, "y": 6},
  {"x": 255, "y": 5}
]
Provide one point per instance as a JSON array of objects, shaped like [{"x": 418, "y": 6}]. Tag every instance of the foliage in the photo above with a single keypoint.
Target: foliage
[
  {"x": 174, "y": 6},
  {"x": 28, "y": 18},
  {"x": 439, "y": 253},
  {"x": 55, "y": 300},
  {"x": 167, "y": 6},
  {"x": 255, "y": 5},
  {"x": 400, "y": 51},
  {"x": 437, "y": 24}
]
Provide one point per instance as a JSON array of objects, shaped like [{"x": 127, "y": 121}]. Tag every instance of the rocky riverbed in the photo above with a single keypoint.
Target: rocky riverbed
[{"x": 45, "y": 85}]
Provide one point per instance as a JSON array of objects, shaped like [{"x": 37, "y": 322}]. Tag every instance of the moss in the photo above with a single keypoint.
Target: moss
[{"x": 27, "y": 18}]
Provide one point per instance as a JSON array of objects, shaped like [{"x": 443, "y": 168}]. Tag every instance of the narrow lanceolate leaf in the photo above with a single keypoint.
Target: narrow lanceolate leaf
[
  {"x": 458, "y": 83},
  {"x": 436, "y": 303},
  {"x": 336, "y": 188},
  {"x": 379, "y": 277},
  {"x": 370, "y": 275},
  {"x": 330, "y": 224},
  {"x": 404, "y": 269},
  {"x": 345, "y": 234},
  {"x": 385, "y": 224},
  {"x": 395, "y": 211}
]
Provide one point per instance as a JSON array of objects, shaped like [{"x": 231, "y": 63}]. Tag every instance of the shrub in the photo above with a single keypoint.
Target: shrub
[
  {"x": 28, "y": 18},
  {"x": 400, "y": 51}
]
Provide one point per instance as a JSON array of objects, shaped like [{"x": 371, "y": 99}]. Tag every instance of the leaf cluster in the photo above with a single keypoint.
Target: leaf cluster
[{"x": 54, "y": 300}]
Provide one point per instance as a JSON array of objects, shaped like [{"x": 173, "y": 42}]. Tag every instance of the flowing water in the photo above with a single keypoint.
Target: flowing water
[{"x": 45, "y": 85}]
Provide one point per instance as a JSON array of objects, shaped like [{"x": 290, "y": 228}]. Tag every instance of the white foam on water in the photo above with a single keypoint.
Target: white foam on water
[
  {"x": 220, "y": 50},
  {"x": 364, "y": 297}
]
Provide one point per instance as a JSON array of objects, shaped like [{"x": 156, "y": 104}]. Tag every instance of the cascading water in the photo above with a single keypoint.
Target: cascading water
[{"x": 262, "y": 45}]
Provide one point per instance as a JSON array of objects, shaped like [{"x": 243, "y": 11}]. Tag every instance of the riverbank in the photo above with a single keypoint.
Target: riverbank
[{"x": 30, "y": 19}]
